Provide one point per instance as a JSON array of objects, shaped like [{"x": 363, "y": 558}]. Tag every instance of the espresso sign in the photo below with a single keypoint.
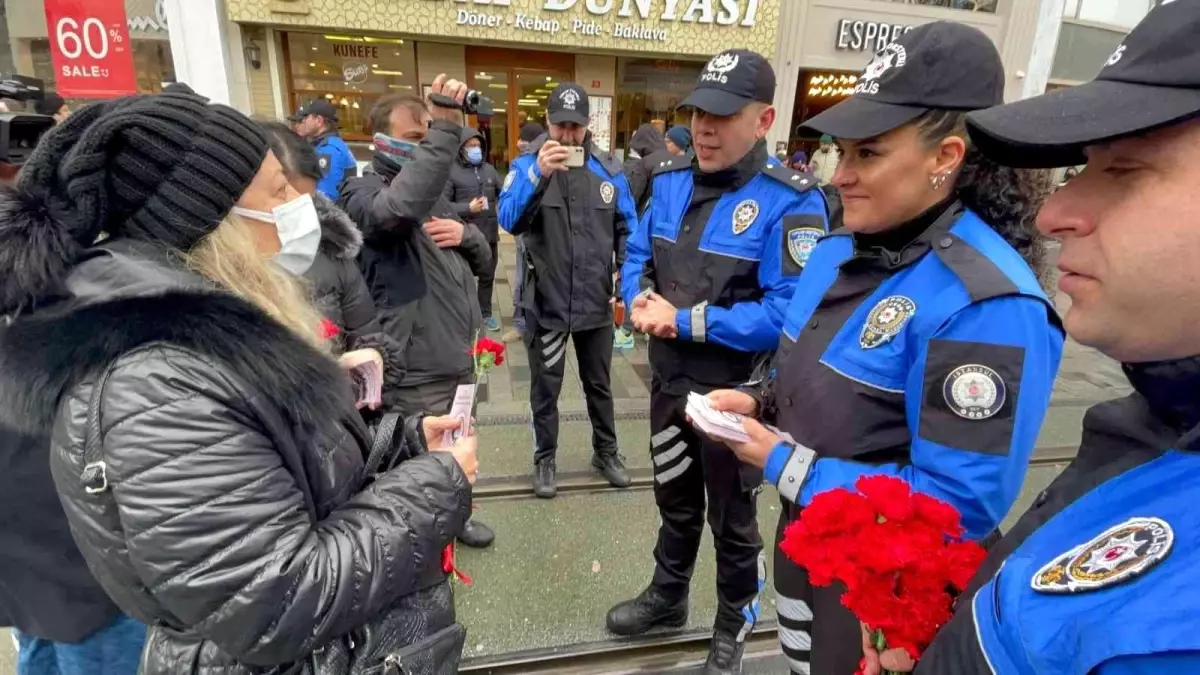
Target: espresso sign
[{"x": 867, "y": 36}]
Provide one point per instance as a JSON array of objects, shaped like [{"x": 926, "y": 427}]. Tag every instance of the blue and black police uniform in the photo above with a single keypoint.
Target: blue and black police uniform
[
  {"x": 1098, "y": 577},
  {"x": 726, "y": 248},
  {"x": 336, "y": 161},
  {"x": 927, "y": 351},
  {"x": 575, "y": 224}
]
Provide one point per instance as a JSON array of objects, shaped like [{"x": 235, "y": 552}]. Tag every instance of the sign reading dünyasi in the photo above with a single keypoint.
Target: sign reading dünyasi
[{"x": 696, "y": 28}]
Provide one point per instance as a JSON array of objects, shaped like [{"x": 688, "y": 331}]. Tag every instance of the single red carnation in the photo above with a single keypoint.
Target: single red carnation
[
  {"x": 890, "y": 497},
  {"x": 328, "y": 330},
  {"x": 487, "y": 345}
]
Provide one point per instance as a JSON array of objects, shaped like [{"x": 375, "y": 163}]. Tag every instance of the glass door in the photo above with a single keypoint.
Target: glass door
[{"x": 494, "y": 85}]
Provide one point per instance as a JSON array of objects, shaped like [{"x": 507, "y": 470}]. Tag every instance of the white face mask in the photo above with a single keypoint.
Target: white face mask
[{"x": 299, "y": 230}]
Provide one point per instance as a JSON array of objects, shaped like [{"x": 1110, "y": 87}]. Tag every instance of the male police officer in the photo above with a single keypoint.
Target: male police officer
[
  {"x": 574, "y": 215},
  {"x": 317, "y": 122},
  {"x": 709, "y": 273},
  {"x": 1099, "y": 575}
]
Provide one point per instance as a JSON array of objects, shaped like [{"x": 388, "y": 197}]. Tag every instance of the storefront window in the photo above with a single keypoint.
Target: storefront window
[
  {"x": 350, "y": 71},
  {"x": 1123, "y": 13},
  {"x": 988, "y": 6},
  {"x": 650, "y": 90}
]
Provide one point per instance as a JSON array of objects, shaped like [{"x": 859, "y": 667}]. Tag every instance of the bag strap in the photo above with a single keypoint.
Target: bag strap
[
  {"x": 381, "y": 447},
  {"x": 95, "y": 471}
]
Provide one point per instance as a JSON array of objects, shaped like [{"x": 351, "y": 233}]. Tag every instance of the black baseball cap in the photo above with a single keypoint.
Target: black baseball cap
[
  {"x": 1152, "y": 80},
  {"x": 568, "y": 104},
  {"x": 320, "y": 107},
  {"x": 731, "y": 80},
  {"x": 942, "y": 65}
]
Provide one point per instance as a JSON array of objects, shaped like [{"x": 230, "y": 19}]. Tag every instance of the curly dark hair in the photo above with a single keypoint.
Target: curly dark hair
[{"x": 1008, "y": 199}]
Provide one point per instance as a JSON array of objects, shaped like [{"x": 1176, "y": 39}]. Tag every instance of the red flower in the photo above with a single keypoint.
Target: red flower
[
  {"x": 328, "y": 329},
  {"x": 895, "y": 551},
  {"x": 489, "y": 346}
]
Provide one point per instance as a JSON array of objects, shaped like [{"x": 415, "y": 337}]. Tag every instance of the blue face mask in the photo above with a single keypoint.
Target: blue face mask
[
  {"x": 400, "y": 152},
  {"x": 475, "y": 155}
]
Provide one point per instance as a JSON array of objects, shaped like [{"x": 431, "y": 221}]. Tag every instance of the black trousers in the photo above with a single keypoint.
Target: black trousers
[
  {"x": 686, "y": 467},
  {"x": 830, "y": 645},
  {"x": 487, "y": 281},
  {"x": 547, "y": 364}
]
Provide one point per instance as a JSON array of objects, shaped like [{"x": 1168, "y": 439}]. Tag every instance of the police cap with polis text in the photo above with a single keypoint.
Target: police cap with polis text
[
  {"x": 1152, "y": 80},
  {"x": 730, "y": 81},
  {"x": 568, "y": 104},
  {"x": 941, "y": 65}
]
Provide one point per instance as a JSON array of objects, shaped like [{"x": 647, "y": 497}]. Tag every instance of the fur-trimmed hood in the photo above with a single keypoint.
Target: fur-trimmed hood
[
  {"x": 127, "y": 295},
  {"x": 340, "y": 237}
]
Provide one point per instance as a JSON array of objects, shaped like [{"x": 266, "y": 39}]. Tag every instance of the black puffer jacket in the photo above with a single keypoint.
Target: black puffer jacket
[
  {"x": 231, "y": 515},
  {"x": 639, "y": 166},
  {"x": 340, "y": 291},
  {"x": 467, "y": 182}
]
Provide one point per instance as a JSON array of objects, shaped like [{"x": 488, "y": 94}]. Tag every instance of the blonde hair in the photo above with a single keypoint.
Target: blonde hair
[{"x": 229, "y": 258}]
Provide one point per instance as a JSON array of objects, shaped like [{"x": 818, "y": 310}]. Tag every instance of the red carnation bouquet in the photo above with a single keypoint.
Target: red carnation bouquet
[
  {"x": 898, "y": 552},
  {"x": 487, "y": 353}
]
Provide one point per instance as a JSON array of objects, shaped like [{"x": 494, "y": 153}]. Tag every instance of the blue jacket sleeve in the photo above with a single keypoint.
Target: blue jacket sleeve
[
  {"x": 636, "y": 273},
  {"x": 625, "y": 222},
  {"x": 522, "y": 191},
  {"x": 1151, "y": 664},
  {"x": 755, "y": 326},
  {"x": 974, "y": 458}
]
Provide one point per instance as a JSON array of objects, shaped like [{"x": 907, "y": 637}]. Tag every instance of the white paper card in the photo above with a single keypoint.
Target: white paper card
[{"x": 464, "y": 403}]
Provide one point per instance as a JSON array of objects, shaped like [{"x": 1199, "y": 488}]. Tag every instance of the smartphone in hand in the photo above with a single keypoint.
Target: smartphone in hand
[
  {"x": 577, "y": 158},
  {"x": 368, "y": 384}
]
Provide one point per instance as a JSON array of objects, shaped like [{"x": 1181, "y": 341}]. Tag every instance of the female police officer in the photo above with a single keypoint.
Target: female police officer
[
  {"x": 919, "y": 342},
  {"x": 1098, "y": 576}
]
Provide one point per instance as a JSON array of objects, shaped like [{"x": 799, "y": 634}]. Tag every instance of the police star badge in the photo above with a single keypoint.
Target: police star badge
[
  {"x": 801, "y": 242},
  {"x": 886, "y": 319},
  {"x": 607, "y": 191},
  {"x": 323, "y": 162},
  {"x": 1119, "y": 553},
  {"x": 974, "y": 392},
  {"x": 744, "y": 215}
]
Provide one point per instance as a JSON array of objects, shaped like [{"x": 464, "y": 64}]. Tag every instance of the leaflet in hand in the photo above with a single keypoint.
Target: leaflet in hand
[
  {"x": 715, "y": 423},
  {"x": 464, "y": 404},
  {"x": 368, "y": 383}
]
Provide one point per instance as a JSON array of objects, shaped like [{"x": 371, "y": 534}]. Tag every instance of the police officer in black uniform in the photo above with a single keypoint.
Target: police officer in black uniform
[
  {"x": 709, "y": 272},
  {"x": 1099, "y": 575},
  {"x": 571, "y": 203}
]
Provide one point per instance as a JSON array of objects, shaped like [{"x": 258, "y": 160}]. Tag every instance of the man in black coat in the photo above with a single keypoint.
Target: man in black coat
[
  {"x": 571, "y": 203},
  {"x": 419, "y": 261},
  {"x": 472, "y": 191}
]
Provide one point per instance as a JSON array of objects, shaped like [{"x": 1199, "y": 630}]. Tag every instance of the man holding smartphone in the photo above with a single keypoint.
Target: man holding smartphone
[{"x": 571, "y": 202}]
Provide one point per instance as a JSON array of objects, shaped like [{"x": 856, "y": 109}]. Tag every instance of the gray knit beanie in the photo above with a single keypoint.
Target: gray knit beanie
[{"x": 164, "y": 168}]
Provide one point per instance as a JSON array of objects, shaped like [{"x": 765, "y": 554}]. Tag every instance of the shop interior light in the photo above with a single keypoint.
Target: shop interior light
[
  {"x": 381, "y": 40},
  {"x": 483, "y": 76},
  {"x": 355, "y": 106},
  {"x": 314, "y": 48},
  {"x": 329, "y": 96},
  {"x": 399, "y": 86},
  {"x": 377, "y": 71},
  {"x": 499, "y": 110},
  {"x": 497, "y": 85},
  {"x": 547, "y": 78},
  {"x": 344, "y": 102},
  {"x": 326, "y": 72},
  {"x": 343, "y": 38},
  {"x": 551, "y": 84},
  {"x": 312, "y": 65}
]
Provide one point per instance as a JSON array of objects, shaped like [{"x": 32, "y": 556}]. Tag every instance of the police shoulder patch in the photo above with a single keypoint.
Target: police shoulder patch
[
  {"x": 800, "y": 182},
  {"x": 607, "y": 191},
  {"x": 974, "y": 392},
  {"x": 801, "y": 242},
  {"x": 1115, "y": 555},
  {"x": 508, "y": 180},
  {"x": 323, "y": 162},
  {"x": 744, "y": 215},
  {"x": 885, "y": 321}
]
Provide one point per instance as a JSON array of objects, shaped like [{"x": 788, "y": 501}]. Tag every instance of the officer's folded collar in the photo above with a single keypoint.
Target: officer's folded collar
[
  {"x": 1053, "y": 129},
  {"x": 859, "y": 117}
]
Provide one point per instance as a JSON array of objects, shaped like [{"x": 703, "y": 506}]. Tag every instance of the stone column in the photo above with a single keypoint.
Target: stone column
[
  {"x": 1030, "y": 39},
  {"x": 201, "y": 53}
]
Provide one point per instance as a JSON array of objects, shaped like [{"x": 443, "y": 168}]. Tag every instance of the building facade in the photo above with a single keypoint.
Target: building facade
[{"x": 636, "y": 58}]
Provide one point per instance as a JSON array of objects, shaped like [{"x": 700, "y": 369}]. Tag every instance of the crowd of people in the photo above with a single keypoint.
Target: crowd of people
[{"x": 194, "y": 484}]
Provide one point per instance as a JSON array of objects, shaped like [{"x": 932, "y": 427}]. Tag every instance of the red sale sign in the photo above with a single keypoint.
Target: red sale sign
[{"x": 89, "y": 45}]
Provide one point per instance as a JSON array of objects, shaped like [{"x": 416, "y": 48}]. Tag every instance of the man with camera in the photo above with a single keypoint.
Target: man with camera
[
  {"x": 571, "y": 202},
  {"x": 419, "y": 260},
  {"x": 317, "y": 122}
]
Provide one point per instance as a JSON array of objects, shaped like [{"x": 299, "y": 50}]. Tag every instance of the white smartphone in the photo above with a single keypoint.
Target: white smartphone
[
  {"x": 577, "y": 158},
  {"x": 485, "y": 203}
]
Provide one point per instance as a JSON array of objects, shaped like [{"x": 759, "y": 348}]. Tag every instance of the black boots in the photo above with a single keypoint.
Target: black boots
[
  {"x": 543, "y": 479},
  {"x": 652, "y": 608},
  {"x": 612, "y": 468},
  {"x": 724, "y": 655},
  {"x": 476, "y": 535}
]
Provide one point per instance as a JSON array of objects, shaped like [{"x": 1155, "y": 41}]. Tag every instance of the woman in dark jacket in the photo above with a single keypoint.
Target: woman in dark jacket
[
  {"x": 473, "y": 190},
  {"x": 646, "y": 141},
  {"x": 205, "y": 448},
  {"x": 338, "y": 289}
]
